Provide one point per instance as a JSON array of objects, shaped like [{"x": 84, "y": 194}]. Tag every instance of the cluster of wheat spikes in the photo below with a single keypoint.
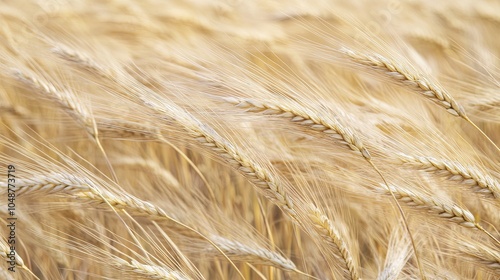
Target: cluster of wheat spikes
[{"x": 223, "y": 139}]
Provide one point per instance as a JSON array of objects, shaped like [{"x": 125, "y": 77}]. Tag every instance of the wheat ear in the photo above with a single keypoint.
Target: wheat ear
[
  {"x": 147, "y": 270},
  {"x": 325, "y": 228},
  {"x": 81, "y": 59},
  {"x": 328, "y": 126},
  {"x": 302, "y": 116},
  {"x": 5, "y": 251},
  {"x": 451, "y": 212},
  {"x": 50, "y": 183},
  {"x": 468, "y": 175},
  {"x": 399, "y": 72},
  {"x": 63, "y": 98},
  {"x": 86, "y": 190},
  {"x": 486, "y": 256},
  {"x": 265, "y": 181},
  {"x": 229, "y": 247},
  {"x": 422, "y": 84},
  {"x": 239, "y": 251},
  {"x": 220, "y": 244},
  {"x": 82, "y": 188},
  {"x": 68, "y": 102}
]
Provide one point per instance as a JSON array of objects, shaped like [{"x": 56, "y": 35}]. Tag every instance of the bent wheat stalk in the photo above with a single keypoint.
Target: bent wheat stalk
[
  {"x": 6, "y": 254},
  {"x": 302, "y": 116},
  {"x": 468, "y": 175},
  {"x": 325, "y": 228},
  {"x": 86, "y": 190},
  {"x": 263, "y": 179},
  {"x": 66, "y": 100},
  {"x": 329, "y": 126},
  {"x": 417, "y": 81},
  {"x": 147, "y": 270},
  {"x": 451, "y": 212},
  {"x": 239, "y": 251}
]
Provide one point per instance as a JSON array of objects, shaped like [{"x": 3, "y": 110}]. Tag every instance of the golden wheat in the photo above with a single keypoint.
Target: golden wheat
[{"x": 221, "y": 139}]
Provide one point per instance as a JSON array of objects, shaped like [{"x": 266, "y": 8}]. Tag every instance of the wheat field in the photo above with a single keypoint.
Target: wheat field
[{"x": 231, "y": 139}]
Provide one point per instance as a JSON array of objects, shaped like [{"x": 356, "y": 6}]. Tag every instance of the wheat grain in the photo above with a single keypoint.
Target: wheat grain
[{"x": 453, "y": 213}]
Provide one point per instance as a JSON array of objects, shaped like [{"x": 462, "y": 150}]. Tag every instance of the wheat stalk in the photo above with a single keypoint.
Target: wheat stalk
[
  {"x": 147, "y": 270},
  {"x": 422, "y": 84},
  {"x": 325, "y": 228},
  {"x": 241, "y": 252},
  {"x": 261, "y": 177},
  {"x": 85, "y": 189},
  {"x": 451, "y": 212},
  {"x": 67, "y": 101},
  {"x": 305, "y": 117},
  {"x": 326, "y": 125},
  {"x": 82, "y": 59},
  {"x": 469, "y": 175},
  {"x": 5, "y": 250},
  {"x": 50, "y": 183},
  {"x": 426, "y": 87}
]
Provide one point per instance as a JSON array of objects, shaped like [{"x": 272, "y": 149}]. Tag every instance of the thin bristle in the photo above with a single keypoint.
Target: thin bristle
[{"x": 227, "y": 139}]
